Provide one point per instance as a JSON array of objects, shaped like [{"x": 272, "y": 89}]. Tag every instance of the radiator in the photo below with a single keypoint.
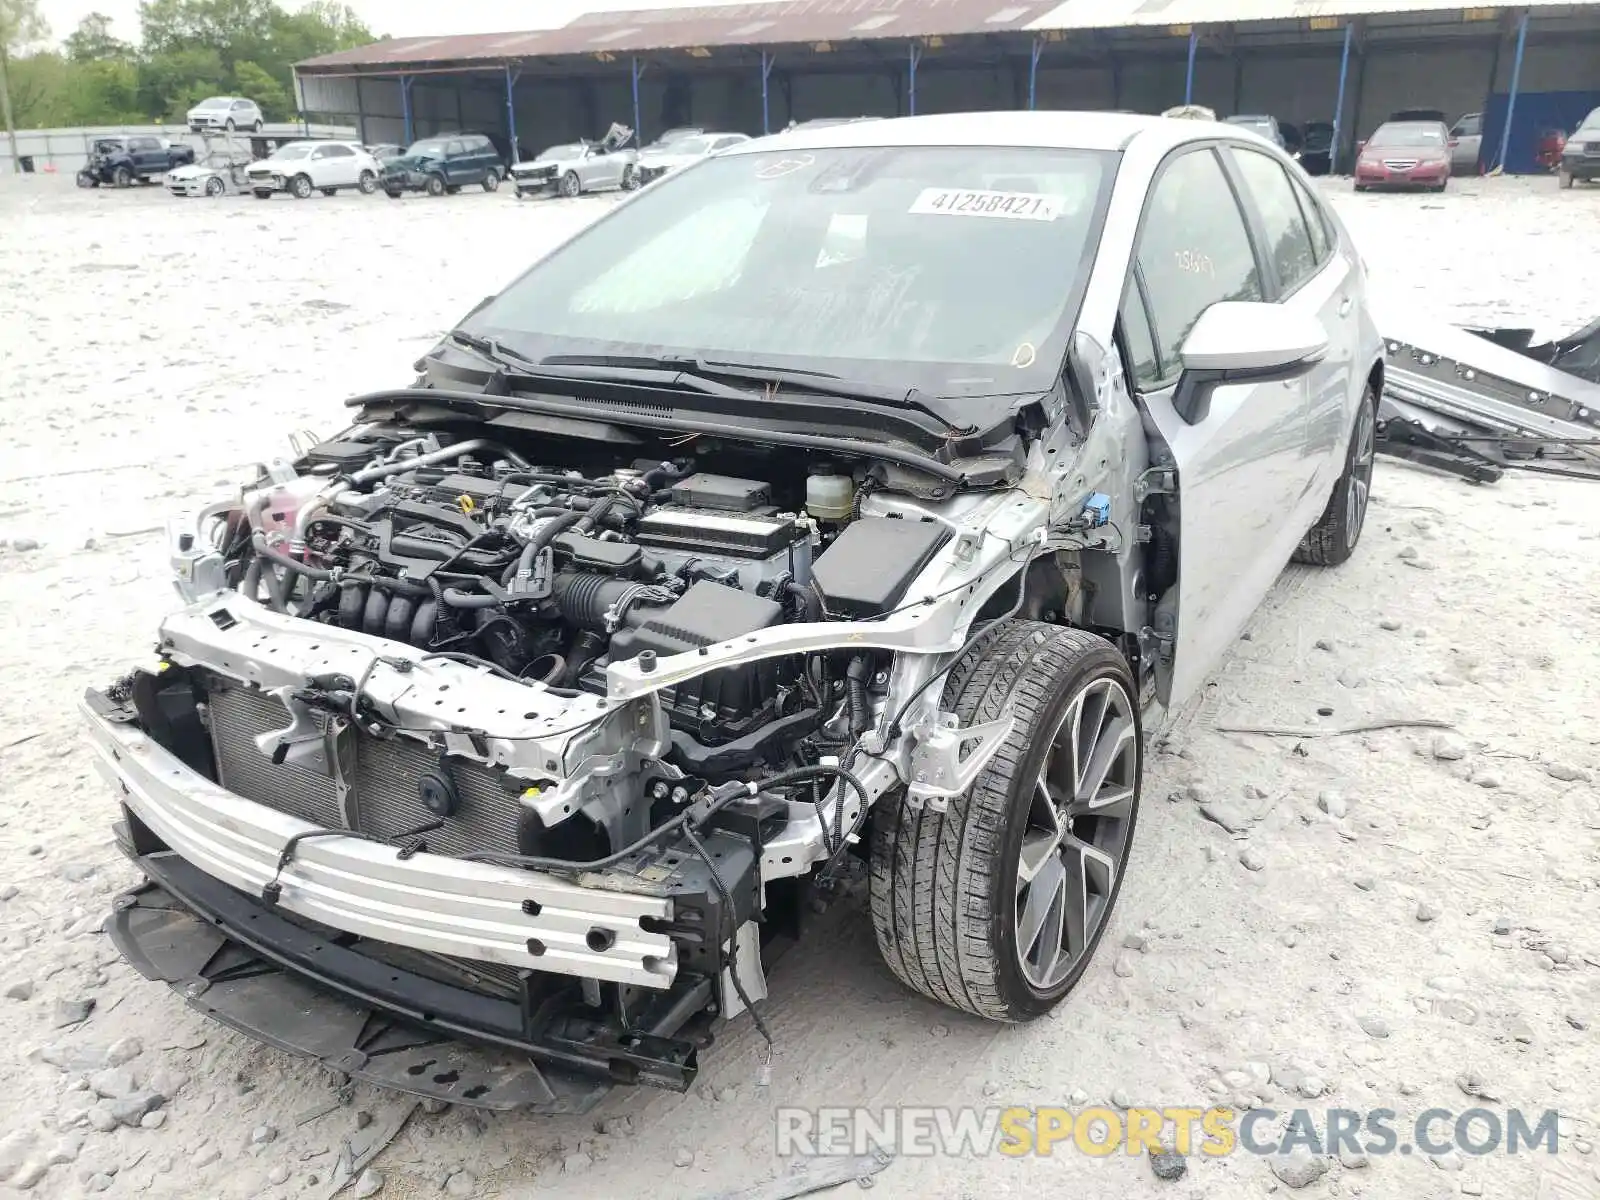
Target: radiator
[{"x": 387, "y": 803}]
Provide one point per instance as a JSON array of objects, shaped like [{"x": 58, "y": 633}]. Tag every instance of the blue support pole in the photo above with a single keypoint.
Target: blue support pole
[
  {"x": 638, "y": 131},
  {"x": 1338, "y": 105},
  {"x": 405, "y": 105},
  {"x": 511, "y": 110},
  {"x": 1033, "y": 73},
  {"x": 766, "y": 73},
  {"x": 1516, "y": 82},
  {"x": 916, "y": 57},
  {"x": 1188, "y": 78}
]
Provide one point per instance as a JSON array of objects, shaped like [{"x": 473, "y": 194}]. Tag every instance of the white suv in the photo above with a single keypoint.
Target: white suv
[
  {"x": 225, "y": 112},
  {"x": 301, "y": 168}
]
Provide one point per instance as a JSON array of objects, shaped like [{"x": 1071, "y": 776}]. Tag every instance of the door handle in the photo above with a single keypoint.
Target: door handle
[{"x": 1345, "y": 305}]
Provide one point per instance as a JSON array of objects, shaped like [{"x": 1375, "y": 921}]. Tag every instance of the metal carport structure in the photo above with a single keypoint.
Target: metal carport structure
[{"x": 755, "y": 66}]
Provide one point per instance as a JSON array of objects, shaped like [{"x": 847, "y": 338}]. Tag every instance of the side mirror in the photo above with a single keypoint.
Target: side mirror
[{"x": 1238, "y": 341}]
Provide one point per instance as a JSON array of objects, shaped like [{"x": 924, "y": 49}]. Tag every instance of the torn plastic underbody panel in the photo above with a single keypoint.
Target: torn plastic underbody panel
[{"x": 1476, "y": 403}]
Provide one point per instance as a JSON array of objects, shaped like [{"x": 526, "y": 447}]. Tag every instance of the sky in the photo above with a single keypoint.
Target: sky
[{"x": 398, "y": 18}]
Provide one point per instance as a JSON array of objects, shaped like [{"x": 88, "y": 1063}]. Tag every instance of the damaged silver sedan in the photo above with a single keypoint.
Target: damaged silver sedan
[{"x": 847, "y": 504}]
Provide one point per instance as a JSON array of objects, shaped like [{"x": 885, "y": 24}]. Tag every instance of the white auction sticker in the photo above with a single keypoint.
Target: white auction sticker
[{"x": 964, "y": 202}]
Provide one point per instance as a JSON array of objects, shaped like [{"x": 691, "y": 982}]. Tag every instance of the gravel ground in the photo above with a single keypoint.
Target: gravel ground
[{"x": 1416, "y": 909}]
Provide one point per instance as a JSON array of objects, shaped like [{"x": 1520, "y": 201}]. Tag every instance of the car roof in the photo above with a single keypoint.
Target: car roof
[{"x": 1041, "y": 129}]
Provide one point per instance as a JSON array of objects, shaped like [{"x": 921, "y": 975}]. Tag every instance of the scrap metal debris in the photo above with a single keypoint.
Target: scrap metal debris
[
  {"x": 815, "y": 1175},
  {"x": 1477, "y": 403},
  {"x": 1336, "y": 730},
  {"x": 358, "y": 1150}
]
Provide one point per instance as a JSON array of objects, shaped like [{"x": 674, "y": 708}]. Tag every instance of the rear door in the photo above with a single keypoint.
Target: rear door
[
  {"x": 1243, "y": 467},
  {"x": 341, "y": 165},
  {"x": 1466, "y": 141},
  {"x": 1306, "y": 275}
]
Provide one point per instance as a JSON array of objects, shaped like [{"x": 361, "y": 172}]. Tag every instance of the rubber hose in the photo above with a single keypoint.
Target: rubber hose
[
  {"x": 456, "y": 598},
  {"x": 855, "y": 684},
  {"x": 560, "y": 521},
  {"x": 809, "y": 600},
  {"x": 283, "y": 560},
  {"x": 250, "y": 585}
]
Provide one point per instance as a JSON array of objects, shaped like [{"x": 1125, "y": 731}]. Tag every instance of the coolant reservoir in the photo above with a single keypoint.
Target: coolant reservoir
[{"x": 829, "y": 497}]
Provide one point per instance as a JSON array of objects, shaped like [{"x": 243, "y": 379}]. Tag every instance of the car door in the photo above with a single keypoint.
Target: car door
[
  {"x": 1306, "y": 275},
  {"x": 1242, "y": 468},
  {"x": 1466, "y": 142},
  {"x": 456, "y": 166},
  {"x": 342, "y": 165}
]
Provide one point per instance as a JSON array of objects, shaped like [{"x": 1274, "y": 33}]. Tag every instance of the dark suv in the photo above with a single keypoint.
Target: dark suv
[{"x": 446, "y": 162}]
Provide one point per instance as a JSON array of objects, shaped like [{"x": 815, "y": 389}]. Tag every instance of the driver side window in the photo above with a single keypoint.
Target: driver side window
[{"x": 1193, "y": 250}]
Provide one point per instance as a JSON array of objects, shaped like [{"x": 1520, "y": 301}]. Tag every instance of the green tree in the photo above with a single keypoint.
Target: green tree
[
  {"x": 21, "y": 25},
  {"x": 266, "y": 91},
  {"x": 92, "y": 41}
]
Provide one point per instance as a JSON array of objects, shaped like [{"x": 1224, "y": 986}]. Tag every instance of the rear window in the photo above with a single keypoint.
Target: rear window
[{"x": 1408, "y": 134}]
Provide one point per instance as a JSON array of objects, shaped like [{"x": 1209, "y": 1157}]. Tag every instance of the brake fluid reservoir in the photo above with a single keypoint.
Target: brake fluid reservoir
[{"x": 829, "y": 497}]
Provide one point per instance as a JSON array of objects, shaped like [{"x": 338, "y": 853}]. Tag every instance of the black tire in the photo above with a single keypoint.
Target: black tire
[
  {"x": 86, "y": 179},
  {"x": 1361, "y": 187},
  {"x": 261, "y": 193},
  {"x": 435, "y": 185},
  {"x": 256, "y": 128},
  {"x": 630, "y": 178},
  {"x": 300, "y": 187},
  {"x": 491, "y": 181},
  {"x": 1334, "y": 537},
  {"x": 215, "y": 187},
  {"x": 571, "y": 186},
  {"x": 368, "y": 183},
  {"x": 453, "y": 189},
  {"x": 392, "y": 193},
  {"x": 1563, "y": 178},
  {"x": 230, "y": 126},
  {"x": 122, "y": 177},
  {"x": 945, "y": 885}
]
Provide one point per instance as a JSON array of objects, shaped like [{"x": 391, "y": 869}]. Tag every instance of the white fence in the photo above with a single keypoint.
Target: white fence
[{"x": 66, "y": 150}]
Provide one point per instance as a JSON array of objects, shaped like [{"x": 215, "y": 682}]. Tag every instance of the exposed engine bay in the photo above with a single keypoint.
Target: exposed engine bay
[{"x": 573, "y": 737}]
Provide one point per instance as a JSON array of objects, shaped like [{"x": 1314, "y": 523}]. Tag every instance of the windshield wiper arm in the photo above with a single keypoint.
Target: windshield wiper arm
[
  {"x": 491, "y": 350},
  {"x": 817, "y": 382}
]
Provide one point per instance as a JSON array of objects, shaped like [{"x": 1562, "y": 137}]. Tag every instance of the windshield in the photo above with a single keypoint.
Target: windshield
[
  {"x": 215, "y": 102},
  {"x": 288, "y": 152},
  {"x": 430, "y": 149},
  {"x": 690, "y": 145},
  {"x": 957, "y": 270},
  {"x": 1261, "y": 125},
  {"x": 108, "y": 146},
  {"x": 1417, "y": 135},
  {"x": 562, "y": 153}
]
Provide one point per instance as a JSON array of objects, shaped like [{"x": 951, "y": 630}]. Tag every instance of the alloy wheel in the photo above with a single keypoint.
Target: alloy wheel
[
  {"x": 1361, "y": 460},
  {"x": 1076, "y": 840}
]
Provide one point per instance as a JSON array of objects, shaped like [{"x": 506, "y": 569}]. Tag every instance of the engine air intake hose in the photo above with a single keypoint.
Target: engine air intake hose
[{"x": 585, "y": 598}]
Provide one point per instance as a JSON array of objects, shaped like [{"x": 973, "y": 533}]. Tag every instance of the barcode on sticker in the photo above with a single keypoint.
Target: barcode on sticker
[{"x": 963, "y": 202}]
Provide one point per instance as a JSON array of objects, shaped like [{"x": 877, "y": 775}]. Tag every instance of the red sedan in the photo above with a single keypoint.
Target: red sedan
[{"x": 1405, "y": 154}]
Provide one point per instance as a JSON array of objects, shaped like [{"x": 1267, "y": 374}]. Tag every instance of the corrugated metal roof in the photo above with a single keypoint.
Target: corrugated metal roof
[
  {"x": 779, "y": 22},
  {"x": 1127, "y": 14},
  {"x": 771, "y": 23}
]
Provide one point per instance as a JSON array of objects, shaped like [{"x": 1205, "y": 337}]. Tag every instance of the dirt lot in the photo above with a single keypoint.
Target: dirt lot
[{"x": 1432, "y": 915}]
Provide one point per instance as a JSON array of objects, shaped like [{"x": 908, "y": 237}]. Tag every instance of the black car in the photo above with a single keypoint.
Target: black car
[
  {"x": 1316, "y": 147},
  {"x": 446, "y": 162},
  {"x": 1580, "y": 157}
]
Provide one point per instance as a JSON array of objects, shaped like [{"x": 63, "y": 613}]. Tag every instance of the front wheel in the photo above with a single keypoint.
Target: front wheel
[
  {"x": 215, "y": 187},
  {"x": 435, "y": 185},
  {"x": 368, "y": 183},
  {"x": 1333, "y": 538},
  {"x": 256, "y": 128},
  {"x": 570, "y": 186},
  {"x": 122, "y": 177},
  {"x": 86, "y": 179},
  {"x": 231, "y": 127},
  {"x": 996, "y": 905},
  {"x": 300, "y": 187},
  {"x": 630, "y": 178},
  {"x": 491, "y": 181}
]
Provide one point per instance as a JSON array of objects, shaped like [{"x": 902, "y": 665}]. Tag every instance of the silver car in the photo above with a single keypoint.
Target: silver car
[
  {"x": 654, "y": 163},
  {"x": 224, "y": 113},
  {"x": 865, "y": 492},
  {"x": 578, "y": 167}
]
